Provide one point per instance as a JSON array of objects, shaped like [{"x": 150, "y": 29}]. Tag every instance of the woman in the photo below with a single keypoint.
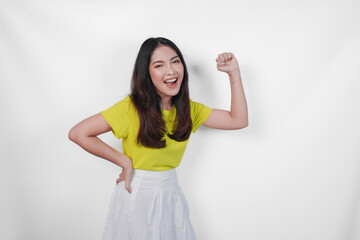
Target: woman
[{"x": 155, "y": 122}]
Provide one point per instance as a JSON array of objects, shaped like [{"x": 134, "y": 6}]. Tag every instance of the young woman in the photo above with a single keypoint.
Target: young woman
[{"x": 154, "y": 123}]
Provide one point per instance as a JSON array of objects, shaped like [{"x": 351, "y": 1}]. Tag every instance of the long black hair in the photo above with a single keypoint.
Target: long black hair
[{"x": 147, "y": 101}]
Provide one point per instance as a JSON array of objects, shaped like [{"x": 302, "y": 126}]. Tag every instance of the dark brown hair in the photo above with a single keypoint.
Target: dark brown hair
[{"x": 147, "y": 101}]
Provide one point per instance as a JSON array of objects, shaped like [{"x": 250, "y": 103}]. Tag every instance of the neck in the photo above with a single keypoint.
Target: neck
[{"x": 166, "y": 103}]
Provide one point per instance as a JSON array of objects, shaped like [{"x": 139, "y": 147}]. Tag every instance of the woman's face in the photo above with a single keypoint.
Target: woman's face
[{"x": 166, "y": 72}]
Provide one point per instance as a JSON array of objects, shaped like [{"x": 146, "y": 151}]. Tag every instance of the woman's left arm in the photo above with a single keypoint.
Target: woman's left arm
[{"x": 237, "y": 117}]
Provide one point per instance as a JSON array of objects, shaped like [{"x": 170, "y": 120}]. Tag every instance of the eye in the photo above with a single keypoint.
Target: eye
[
  {"x": 176, "y": 61},
  {"x": 157, "y": 66}
]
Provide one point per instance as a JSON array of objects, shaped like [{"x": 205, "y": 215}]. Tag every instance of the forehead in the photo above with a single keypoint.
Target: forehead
[{"x": 163, "y": 53}]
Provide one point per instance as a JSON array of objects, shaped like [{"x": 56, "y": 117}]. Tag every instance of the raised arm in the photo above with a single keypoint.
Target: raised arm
[
  {"x": 237, "y": 117},
  {"x": 85, "y": 135}
]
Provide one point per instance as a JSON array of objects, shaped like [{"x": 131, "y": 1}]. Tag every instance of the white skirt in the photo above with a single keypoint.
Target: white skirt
[{"x": 156, "y": 209}]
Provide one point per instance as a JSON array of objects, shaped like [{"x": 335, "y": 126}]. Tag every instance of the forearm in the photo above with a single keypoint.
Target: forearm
[
  {"x": 237, "y": 117},
  {"x": 238, "y": 109},
  {"x": 97, "y": 147}
]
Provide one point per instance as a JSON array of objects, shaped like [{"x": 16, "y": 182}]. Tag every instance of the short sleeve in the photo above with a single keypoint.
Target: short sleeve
[
  {"x": 119, "y": 117},
  {"x": 199, "y": 114}
]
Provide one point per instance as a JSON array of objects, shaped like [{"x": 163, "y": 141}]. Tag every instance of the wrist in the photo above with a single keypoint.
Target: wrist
[
  {"x": 127, "y": 165},
  {"x": 234, "y": 76},
  {"x": 124, "y": 161}
]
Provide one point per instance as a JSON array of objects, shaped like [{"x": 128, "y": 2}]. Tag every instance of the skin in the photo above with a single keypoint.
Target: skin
[
  {"x": 164, "y": 65},
  {"x": 237, "y": 117}
]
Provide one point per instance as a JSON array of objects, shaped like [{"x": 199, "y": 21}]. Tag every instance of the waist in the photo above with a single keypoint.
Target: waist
[
  {"x": 147, "y": 178},
  {"x": 156, "y": 174}
]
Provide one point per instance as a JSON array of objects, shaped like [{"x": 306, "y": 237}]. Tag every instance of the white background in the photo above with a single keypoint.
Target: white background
[{"x": 293, "y": 173}]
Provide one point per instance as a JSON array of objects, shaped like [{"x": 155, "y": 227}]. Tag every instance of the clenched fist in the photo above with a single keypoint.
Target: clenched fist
[{"x": 226, "y": 62}]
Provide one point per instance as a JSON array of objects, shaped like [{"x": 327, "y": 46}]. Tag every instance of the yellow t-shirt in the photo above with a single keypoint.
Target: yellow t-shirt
[{"x": 124, "y": 121}]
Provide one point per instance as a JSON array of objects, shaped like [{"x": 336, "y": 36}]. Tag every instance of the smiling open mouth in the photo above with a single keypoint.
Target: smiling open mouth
[{"x": 171, "y": 82}]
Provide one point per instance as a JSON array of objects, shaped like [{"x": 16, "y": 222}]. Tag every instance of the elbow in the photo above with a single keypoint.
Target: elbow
[
  {"x": 72, "y": 135},
  {"x": 242, "y": 124},
  {"x": 77, "y": 135}
]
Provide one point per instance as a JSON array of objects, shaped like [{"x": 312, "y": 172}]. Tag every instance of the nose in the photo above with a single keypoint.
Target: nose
[{"x": 170, "y": 70}]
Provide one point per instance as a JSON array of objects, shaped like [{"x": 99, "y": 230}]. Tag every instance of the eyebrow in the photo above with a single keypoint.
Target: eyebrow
[{"x": 160, "y": 61}]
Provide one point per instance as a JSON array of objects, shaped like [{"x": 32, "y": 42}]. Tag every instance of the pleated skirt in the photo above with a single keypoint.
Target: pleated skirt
[{"x": 156, "y": 209}]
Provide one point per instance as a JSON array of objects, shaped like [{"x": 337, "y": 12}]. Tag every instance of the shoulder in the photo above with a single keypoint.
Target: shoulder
[
  {"x": 199, "y": 114},
  {"x": 124, "y": 105},
  {"x": 120, "y": 117},
  {"x": 123, "y": 108},
  {"x": 196, "y": 106},
  {"x": 124, "y": 102},
  {"x": 199, "y": 110}
]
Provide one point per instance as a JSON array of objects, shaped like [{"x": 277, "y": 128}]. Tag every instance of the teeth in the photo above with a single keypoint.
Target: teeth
[{"x": 171, "y": 80}]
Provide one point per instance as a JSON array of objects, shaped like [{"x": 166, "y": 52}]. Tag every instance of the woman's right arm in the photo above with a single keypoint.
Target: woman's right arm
[{"x": 85, "y": 135}]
